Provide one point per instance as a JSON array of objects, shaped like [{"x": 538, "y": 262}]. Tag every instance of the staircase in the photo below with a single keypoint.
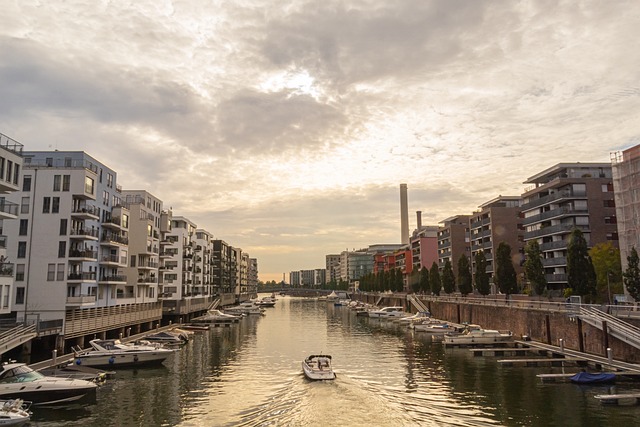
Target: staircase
[
  {"x": 417, "y": 303},
  {"x": 214, "y": 304},
  {"x": 615, "y": 327},
  {"x": 18, "y": 335}
]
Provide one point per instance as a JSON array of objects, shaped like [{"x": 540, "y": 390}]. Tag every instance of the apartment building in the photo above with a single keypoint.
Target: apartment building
[
  {"x": 564, "y": 197},
  {"x": 332, "y": 265},
  {"x": 424, "y": 247},
  {"x": 626, "y": 182},
  {"x": 202, "y": 262},
  {"x": 224, "y": 271},
  {"x": 498, "y": 220},
  {"x": 145, "y": 212},
  {"x": 453, "y": 241},
  {"x": 10, "y": 169},
  {"x": 70, "y": 247},
  {"x": 253, "y": 273}
]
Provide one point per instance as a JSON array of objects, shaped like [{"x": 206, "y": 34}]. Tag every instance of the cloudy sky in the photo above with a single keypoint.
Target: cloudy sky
[{"x": 286, "y": 127}]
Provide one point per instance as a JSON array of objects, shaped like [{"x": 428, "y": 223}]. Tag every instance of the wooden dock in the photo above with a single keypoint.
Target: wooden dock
[
  {"x": 545, "y": 361},
  {"x": 619, "y": 399},
  {"x": 505, "y": 351},
  {"x": 565, "y": 376}
]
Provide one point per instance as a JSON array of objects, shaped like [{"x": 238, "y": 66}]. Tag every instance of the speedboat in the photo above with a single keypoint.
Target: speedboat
[
  {"x": 318, "y": 367},
  {"x": 266, "y": 302},
  {"x": 167, "y": 338},
  {"x": 247, "y": 307},
  {"x": 112, "y": 353},
  {"x": 19, "y": 381},
  {"x": 433, "y": 327},
  {"x": 388, "y": 312},
  {"x": 215, "y": 316},
  {"x": 14, "y": 412},
  {"x": 474, "y": 335},
  {"x": 419, "y": 317}
]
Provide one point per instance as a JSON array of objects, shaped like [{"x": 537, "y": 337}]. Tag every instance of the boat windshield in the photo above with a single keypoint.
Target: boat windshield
[{"x": 20, "y": 374}]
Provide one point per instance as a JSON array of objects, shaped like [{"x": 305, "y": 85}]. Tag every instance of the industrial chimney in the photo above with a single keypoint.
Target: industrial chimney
[
  {"x": 419, "y": 220},
  {"x": 404, "y": 215}
]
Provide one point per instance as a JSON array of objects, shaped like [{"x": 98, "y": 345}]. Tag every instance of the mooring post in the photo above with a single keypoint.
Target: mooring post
[
  {"x": 54, "y": 357},
  {"x": 561, "y": 345},
  {"x": 610, "y": 356}
]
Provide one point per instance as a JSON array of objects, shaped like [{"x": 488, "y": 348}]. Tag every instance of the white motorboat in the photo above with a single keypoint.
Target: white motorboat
[
  {"x": 14, "y": 412},
  {"x": 168, "y": 338},
  {"x": 419, "y": 317},
  {"x": 215, "y": 316},
  {"x": 247, "y": 307},
  {"x": 112, "y": 353},
  {"x": 478, "y": 336},
  {"x": 433, "y": 327},
  {"x": 19, "y": 381},
  {"x": 388, "y": 312},
  {"x": 318, "y": 367},
  {"x": 266, "y": 301}
]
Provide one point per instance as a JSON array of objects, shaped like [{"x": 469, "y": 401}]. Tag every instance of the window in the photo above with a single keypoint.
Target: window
[
  {"x": 66, "y": 182},
  {"x": 26, "y": 183},
  {"x": 55, "y": 206},
  {"x": 88, "y": 185},
  {"x": 9, "y": 170},
  {"x": 109, "y": 180},
  {"x": 62, "y": 248},
  {"x": 105, "y": 198},
  {"x": 19, "y": 272},
  {"x": 22, "y": 250},
  {"x": 63, "y": 226},
  {"x": 67, "y": 162},
  {"x": 56, "y": 182},
  {"x": 125, "y": 221},
  {"x": 609, "y": 203},
  {"x": 49, "y": 161},
  {"x": 2, "y": 160},
  {"x": 24, "y": 205},
  {"x": 60, "y": 273},
  {"x": 51, "y": 272},
  {"x": 24, "y": 227},
  {"x": 46, "y": 205},
  {"x": 20, "y": 295},
  {"x": 16, "y": 174},
  {"x": 133, "y": 260}
]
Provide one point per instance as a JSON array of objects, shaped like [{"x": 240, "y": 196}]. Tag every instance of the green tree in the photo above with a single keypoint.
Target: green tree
[
  {"x": 414, "y": 280},
  {"x": 424, "y": 280},
  {"x": 465, "y": 280},
  {"x": 399, "y": 284},
  {"x": 606, "y": 262},
  {"x": 632, "y": 274},
  {"x": 581, "y": 277},
  {"x": 434, "y": 279},
  {"x": 482, "y": 278},
  {"x": 533, "y": 268},
  {"x": 448, "y": 278},
  {"x": 505, "y": 277}
]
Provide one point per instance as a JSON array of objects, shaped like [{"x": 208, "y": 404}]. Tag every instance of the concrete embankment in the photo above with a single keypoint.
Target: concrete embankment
[{"x": 541, "y": 320}]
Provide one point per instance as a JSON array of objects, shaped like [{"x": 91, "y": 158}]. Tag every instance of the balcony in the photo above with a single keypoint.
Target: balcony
[
  {"x": 554, "y": 229},
  {"x": 554, "y": 213},
  {"x": 554, "y": 262},
  {"x": 85, "y": 212},
  {"x": 8, "y": 210},
  {"x": 550, "y": 246},
  {"x": 6, "y": 269},
  {"x": 82, "y": 255},
  {"x": 84, "y": 276},
  {"x": 84, "y": 234},
  {"x": 113, "y": 280},
  {"x": 148, "y": 265},
  {"x": 556, "y": 278},
  {"x": 147, "y": 280},
  {"x": 559, "y": 195},
  {"x": 111, "y": 239},
  {"x": 81, "y": 301},
  {"x": 113, "y": 260},
  {"x": 112, "y": 222}
]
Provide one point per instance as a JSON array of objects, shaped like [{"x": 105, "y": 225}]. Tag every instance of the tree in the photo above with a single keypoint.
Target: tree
[
  {"x": 448, "y": 278},
  {"x": 391, "y": 284},
  {"x": 505, "y": 276},
  {"x": 632, "y": 274},
  {"x": 533, "y": 268},
  {"x": 465, "y": 280},
  {"x": 434, "y": 279},
  {"x": 606, "y": 262},
  {"x": 414, "y": 280},
  {"x": 482, "y": 278},
  {"x": 581, "y": 277},
  {"x": 424, "y": 280}
]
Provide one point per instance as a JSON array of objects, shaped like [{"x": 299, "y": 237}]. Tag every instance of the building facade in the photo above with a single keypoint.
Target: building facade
[{"x": 453, "y": 241}]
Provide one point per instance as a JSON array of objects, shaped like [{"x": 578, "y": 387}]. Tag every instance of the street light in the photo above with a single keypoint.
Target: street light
[{"x": 609, "y": 285}]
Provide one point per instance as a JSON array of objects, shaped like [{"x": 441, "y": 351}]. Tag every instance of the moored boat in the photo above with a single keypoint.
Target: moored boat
[
  {"x": 19, "y": 381},
  {"x": 593, "y": 377},
  {"x": 112, "y": 353},
  {"x": 388, "y": 312},
  {"x": 215, "y": 316},
  {"x": 318, "y": 367},
  {"x": 14, "y": 413},
  {"x": 474, "y": 335},
  {"x": 247, "y": 307},
  {"x": 433, "y": 327}
]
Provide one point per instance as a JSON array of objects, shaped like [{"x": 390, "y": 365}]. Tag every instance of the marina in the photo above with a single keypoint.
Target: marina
[{"x": 385, "y": 374}]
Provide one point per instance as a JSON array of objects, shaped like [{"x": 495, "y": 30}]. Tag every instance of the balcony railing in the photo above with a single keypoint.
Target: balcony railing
[
  {"x": 110, "y": 237},
  {"x": 83, "y": 299},
  {"x": 113, "y": 278},
  {"x": 565, "y": 194},
  {"x": 76, "y": 253},
  {"x": 85, "y": 209},
  {"x": 85, "y": 232},
  {"x": 6, "y": 269},
  {"x": 10, "y": 144},
  {"x": 85, "y": 275},
  {"x": 9, "y": 207},
  {"x": 554, "y": 229}
]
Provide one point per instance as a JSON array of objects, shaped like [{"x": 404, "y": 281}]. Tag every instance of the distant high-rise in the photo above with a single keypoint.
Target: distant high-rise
[{"x": 404, "y": 215}]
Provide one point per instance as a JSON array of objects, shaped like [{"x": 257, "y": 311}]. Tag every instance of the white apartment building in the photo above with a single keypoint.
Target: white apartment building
[
  {"x": 144, "y": 242},
  {"x": 70, "y": 246},
  {"x": 10, "y": 168},
  {"x": 203, "y": 282}
]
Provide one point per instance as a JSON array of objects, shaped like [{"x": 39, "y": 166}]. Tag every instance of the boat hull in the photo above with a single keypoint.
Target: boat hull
[
  {"x": 41, "y": 394},
  {"x": 121, "y": 360},
  {"x": 318, "y": 368}
]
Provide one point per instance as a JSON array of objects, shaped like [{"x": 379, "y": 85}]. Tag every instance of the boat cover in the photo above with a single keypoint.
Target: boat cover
[{"x": 595, "y": 378}]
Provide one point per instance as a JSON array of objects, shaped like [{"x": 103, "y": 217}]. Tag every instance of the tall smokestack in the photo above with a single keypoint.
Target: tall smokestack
[
  {"x": 404, "y": 215},
  {"x": 419, "y": 220}
]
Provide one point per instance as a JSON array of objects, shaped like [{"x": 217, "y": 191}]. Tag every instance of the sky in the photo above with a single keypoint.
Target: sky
[{"x": 285, "y": 128}]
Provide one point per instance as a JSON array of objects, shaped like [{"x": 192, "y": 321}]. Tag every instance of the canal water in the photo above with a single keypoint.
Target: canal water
[{"x": 250, "y": 374}]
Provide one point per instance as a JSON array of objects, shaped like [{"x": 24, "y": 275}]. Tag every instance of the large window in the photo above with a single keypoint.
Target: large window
[
  {"x": 55, "y": 206},
  {"x": 51, "y": 272},
  {"x": 88, "y": 185},
  {"x": 24, "y": 227},
  {"x": 66, "y": 182},
  {"x": 62, "y": 248},
  {"x": 60, "y": 273},
  {"x": 22, "y": 250},
  {"x": 46, "y": 204},
  {"x": 26, "y": 183},
  {"x": 24, "y": 205},
  {"x": 20, "y": 295},
  {"x": 19, "y": 272},
  {"x": 63, "y": 226},
  {"x": 57, "y": 181}
]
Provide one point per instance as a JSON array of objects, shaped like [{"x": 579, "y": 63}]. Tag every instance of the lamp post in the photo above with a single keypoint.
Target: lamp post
[{"x": 609, "y": 286}]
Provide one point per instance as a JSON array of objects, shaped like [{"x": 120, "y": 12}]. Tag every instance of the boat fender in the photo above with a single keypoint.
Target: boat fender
[
  {"x": 78, "y": 361},
  {"x": 112, "y": 360},
  {"x": 135, "y": 357}
]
